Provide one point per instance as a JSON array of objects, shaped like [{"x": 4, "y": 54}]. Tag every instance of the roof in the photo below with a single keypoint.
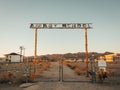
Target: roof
[
  {"x": 12, "y": 54},
  {"x": 108, "y": 53}
]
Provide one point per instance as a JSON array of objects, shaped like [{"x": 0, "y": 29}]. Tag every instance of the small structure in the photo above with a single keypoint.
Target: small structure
[
  {"x": 13, "y": 57},
  {"x": 109, "y": 57}
]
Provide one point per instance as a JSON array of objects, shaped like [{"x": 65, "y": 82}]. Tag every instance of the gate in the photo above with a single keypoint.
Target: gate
[
  {"x": 62, "y": 71},
  {"x": 37, "y": 26},
  {"x": 48, "y": 71}
]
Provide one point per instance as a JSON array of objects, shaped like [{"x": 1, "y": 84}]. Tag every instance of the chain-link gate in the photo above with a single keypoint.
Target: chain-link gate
[
  {"x": 75, "y": 71},
  {"x": 48, "y": 72}
]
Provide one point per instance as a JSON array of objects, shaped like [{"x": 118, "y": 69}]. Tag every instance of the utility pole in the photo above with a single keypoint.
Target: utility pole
[{"x": 21, "y": 50}]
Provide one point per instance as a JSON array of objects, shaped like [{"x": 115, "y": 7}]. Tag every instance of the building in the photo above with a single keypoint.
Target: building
[
  {"x": 13, "y": 57},
  {"x": 109, "y": 57}
]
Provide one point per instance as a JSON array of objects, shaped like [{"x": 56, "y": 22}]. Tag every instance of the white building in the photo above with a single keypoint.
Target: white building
[{"x": 14, "y": 57}]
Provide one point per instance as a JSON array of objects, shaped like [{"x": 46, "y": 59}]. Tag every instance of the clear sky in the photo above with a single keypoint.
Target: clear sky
[{"x": 16, "y": 16}]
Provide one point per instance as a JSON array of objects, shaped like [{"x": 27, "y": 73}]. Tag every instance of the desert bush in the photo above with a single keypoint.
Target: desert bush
[
  {"x": 53, "y": 60},
  {"x": 39, "y": 62},
  {"x": 21, "y": 79},
  {"x": 77, "y": 71},
  {"x": 65, "y": 62},
  {"x": 32, "y": 75},
  {"x": 80, "y": 71},
  {"x": 72, "y": 65},
  {"x": 110, "y": 72},
  {"x": 14, "y": 73},
  {"x": 46, "y": 65},
  {"x": 12, "y": 77},
  {"x": 24, "y": 79},
  {"x": 6, "y": 77}
]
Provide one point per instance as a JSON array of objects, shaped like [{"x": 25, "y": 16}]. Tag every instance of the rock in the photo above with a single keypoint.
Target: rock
[
  {"x": 34, "y": 87},
  {"x": 26, "y": 85}
]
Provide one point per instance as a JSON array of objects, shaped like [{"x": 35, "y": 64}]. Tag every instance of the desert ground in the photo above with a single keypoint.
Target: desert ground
[{"x": 51, "y": 76}]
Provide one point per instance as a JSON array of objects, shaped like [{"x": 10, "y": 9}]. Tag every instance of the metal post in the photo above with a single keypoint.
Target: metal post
[
  {"x": 24, "y": 55},
  {"x": 60, "y": 71},
  {"x": 35, "y": 50},
  {"x": 93, "y": 68},
  {"x": 86, "y": 48},
  {"x": 20, "y": 53}
]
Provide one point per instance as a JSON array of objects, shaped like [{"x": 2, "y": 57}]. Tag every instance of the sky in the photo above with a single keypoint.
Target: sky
[{"x": 16, "y": 16}]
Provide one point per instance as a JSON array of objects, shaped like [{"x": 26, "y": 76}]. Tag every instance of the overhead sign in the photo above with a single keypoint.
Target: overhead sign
[{"x": 60, "y": 25}]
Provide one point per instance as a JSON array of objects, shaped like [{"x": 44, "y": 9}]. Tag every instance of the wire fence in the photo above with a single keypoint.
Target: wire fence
[{"x": 57, "y": 71}]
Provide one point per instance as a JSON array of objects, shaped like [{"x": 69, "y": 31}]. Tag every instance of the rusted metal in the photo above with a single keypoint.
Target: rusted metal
[{"x": 35, "y": 51}]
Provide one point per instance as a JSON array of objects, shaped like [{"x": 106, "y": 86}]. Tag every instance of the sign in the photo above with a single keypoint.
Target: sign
[
  {"x": 60, "y": 25},
  {"x": 102, "y": 63}
]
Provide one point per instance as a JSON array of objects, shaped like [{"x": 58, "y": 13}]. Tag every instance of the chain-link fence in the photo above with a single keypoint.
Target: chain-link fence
[{"x": 64, "y": 71}]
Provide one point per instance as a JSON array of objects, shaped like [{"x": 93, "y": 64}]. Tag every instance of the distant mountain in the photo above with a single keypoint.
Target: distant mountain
[{"x": 78, "y": 55}]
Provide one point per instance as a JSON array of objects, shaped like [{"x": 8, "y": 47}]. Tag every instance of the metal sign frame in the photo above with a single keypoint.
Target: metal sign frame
[{"x": 37, "y": 26}]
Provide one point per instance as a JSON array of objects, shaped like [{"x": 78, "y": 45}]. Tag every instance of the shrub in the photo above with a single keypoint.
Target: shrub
[
  {"x": 72, "y": 65},
  {"x": 22, "y": 79},
  {"x": 77, "y": 71},
  {"x": 80, "y": 71},
  {"x": 6, "y": 77},
  {"x": 65, "y": 62},
  {"x": 110, "y": 72},
  {"x": 32, "y": 76},
  {"x": 53, "y": 60},
  {"x": 46, "y": 65}
]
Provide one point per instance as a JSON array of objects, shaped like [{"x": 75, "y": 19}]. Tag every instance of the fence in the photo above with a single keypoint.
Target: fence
[{"x": 64, "y": 71}]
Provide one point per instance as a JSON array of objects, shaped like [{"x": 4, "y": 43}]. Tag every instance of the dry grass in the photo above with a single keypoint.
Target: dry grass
[
  {"x": 32, "y": 75},
  {"x": 14, "y": 72},
  {"x": 74, "y": 65},
  {"x": 17, "y": 72},
  {"x": 41, "y": 66},
  {"x": 65, "y": 62},
  {"x": 10, "y": 76},
  {"x": 46, "y": 65},
  {"x": 110, "y": 72},
  {"x": 80, "y": 71}
]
